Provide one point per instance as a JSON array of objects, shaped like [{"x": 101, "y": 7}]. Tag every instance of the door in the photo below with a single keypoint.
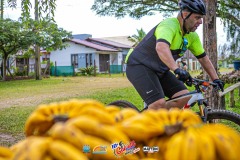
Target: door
[{"x": 103, "y": 62}]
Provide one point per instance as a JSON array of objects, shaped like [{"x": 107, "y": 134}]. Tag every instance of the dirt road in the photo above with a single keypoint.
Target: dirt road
[{"x": 70, "y": 87}]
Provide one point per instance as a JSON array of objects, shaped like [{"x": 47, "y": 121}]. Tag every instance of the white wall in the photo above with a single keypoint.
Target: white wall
[
  {"x": 63, "y": 57},
  {"x": 120, "y": 58}
]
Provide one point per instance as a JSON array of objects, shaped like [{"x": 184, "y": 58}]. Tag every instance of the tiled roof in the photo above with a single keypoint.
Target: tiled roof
[
  {"x": 120, "y": 39},
  {"x": 111, "y": 43},
  {"x": 92, "y": 45}
]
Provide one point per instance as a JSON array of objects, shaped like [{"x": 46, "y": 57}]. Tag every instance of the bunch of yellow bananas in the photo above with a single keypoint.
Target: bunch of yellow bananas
[
  {"x": 156, "y": 123},
  {"x": 42, "y": 119},
  {"x": 210, "y": 141},
  {"x": 61, "y": 130},
  {"x": 45, "y": 148}
]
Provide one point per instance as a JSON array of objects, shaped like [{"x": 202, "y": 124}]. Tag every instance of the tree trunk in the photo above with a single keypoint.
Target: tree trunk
[
  {"x": 37, "y": 49},
  {"x": 2, "y": 7},
  {"x": 210, "y": 45},
  {"x": 37, "y": 63},
  {"x": 4, "y": 67}
]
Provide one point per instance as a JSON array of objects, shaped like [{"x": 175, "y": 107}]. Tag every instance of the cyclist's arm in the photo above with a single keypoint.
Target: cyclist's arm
[
  {"x": 208, "y": 67},
  {"x": 165, "y": 55}
]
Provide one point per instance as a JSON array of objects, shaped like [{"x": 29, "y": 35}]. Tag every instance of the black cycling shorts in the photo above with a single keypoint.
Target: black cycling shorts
[{"x": 152, "y": 86}]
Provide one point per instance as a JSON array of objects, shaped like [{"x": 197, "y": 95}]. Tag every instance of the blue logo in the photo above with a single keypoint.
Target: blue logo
[{"x": 86, "y": 149}]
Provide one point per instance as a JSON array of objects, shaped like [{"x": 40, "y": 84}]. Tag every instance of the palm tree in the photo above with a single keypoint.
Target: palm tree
[{"x": 136, "y": 38}]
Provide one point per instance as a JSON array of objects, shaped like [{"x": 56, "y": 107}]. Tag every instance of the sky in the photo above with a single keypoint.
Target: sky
[{"x": 76, "y": 16}]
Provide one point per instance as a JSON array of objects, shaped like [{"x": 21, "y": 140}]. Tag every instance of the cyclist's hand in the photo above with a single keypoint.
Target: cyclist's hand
[
  {"x": 189, "y": 81},
  {"x": 220, "y": 84},
  {"x": 182, "y": 74}
]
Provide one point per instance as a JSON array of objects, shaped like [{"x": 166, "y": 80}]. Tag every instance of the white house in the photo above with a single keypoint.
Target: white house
[{"x": 82, "y": 53}]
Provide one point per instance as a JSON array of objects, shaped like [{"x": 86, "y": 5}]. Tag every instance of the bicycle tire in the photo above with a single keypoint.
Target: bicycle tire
[
  {"x": 124, "y": 104},
  {"x": 223, "y": 115}
]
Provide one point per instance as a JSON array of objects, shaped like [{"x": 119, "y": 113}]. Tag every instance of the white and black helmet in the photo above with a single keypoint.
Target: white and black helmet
[{"x": 195, "y": 6}]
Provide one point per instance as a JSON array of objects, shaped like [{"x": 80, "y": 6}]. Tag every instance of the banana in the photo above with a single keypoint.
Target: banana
[
  {"x": 47, "y": 157},
  {"x": 91, "y": 126},
  {"x": 113, "y": 109},
  {"x": 62, "y": 150},
  {"x": 174, "y": 114},
  {"x": 38, "y": 147},
  {"x": 218, "y": 127},
  {"x": 44, "y": 109},
  {"x": 98, "y": 144},
  {"x": 130, "y": 157},
  {"x": 162, "y": 144},
  {"x": 206, "y": 144},
  {"x": 54, "y": 107},
  {"x": 32, "y": 148},
  {"x": 191, "y": 145},
  {"x": 224, "y": 143},
  {"x": 154, "y": 115},
  {"x": 140, "y": 119},
  {"x": 113, "y": 134},
  {"x": 68, "y": 134},
  {"x": 152, "y": 142},
  {"x": 37, "y": 124},
  {"x": 140, "y": 153},
  {"x": 189, "y": 118},
  {"x": 20, "y": 150},
  {"x": 141, "y": 132},
  {"x": 5, "y": 152},
  {"x": 101, "y": 115},
  {"x": 86, "y": 124},
  {"x": 77, "y": 105},
  {"x": 17, "y": 145},
  {"x": 174, "y": 147},
  {"x": 63, "y": 107},
  {"x": 125, "y": 114},
  {"x": 163, "y": 116}
]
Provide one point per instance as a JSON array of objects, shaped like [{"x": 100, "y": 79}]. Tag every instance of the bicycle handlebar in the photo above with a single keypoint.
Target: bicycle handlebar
[{"x": 203, "y": 82}]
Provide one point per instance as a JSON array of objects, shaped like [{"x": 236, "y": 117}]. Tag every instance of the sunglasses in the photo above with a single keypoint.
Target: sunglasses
[{"x": 184, "y": 47}]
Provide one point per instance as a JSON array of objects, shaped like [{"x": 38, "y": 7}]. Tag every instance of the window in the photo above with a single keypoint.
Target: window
[{"x": 74, "y": 60}]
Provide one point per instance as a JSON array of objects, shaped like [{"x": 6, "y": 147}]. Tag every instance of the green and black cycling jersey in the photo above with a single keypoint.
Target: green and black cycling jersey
[{"x": 168, "y": 31}]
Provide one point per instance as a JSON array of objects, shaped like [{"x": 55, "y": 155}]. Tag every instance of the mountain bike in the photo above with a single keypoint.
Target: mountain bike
[{"x": 207, "y": 114}]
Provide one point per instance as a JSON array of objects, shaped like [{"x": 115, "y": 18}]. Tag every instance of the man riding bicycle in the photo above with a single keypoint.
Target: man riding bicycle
[{"x": 151, "y": 66}]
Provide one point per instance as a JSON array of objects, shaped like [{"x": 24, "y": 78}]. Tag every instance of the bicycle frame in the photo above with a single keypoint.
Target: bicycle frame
[{"x": 196, "y": 96}]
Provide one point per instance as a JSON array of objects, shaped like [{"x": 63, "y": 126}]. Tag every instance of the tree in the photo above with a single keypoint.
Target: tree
[
  {"x": 136, "y": 38},
  {"x": 210, "y": 45},
  {"x": 12, "y": 39},
  {"x": 228, "y": 11},
  {"x": 16, "y": 36},
  {"x": 43, "y": 9}
]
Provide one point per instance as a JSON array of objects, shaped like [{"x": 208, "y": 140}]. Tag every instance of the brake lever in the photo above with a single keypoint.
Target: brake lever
[{"x": 190, "y": 81}]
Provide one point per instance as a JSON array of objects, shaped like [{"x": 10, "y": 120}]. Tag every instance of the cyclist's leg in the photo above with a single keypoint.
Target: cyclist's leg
[
  {"x": 172, "y": 88},
  {"x": 147, "y": 84}
]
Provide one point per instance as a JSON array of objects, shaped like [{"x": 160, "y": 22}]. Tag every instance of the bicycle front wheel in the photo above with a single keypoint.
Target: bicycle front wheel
[
  {"x": 124, "y": 104},
  {"x": 226, "y": 117}
]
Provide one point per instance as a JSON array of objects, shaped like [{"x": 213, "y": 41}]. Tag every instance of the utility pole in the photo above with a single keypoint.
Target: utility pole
[{"x": 38, "y": 75}]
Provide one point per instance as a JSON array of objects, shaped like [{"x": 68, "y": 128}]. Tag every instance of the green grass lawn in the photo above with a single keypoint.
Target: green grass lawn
[{"x": 12, "y": 119}]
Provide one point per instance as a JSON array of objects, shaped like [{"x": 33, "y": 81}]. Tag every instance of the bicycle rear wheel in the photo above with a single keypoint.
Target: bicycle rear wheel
[
  {"x": 226, "y": 117},
  {"x": 124, "y": 104}
]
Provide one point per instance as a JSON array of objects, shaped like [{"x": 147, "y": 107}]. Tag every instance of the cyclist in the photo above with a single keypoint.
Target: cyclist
[{"x": 151, "y": 66}]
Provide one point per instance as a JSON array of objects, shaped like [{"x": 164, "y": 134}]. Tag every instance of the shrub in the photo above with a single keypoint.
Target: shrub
[{"x": 87, "y": 71}]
